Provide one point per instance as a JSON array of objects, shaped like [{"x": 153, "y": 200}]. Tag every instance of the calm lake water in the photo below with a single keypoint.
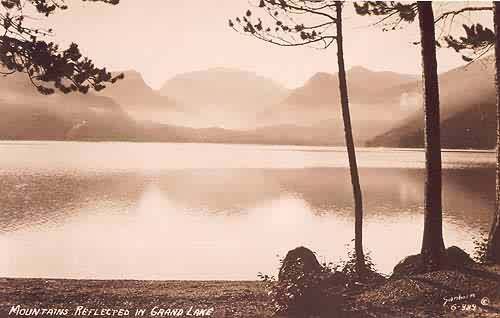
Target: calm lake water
[{"x": 204, "y": 211}]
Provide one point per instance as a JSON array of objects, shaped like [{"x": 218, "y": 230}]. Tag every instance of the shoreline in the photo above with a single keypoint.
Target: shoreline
[
  {"x": 227, "y": 298},
  {"x": 472, "y": 292},
  {"x": 307, "y": 147}
]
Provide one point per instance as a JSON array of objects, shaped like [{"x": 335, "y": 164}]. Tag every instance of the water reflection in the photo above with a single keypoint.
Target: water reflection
[{"x": 221, "y": 223}]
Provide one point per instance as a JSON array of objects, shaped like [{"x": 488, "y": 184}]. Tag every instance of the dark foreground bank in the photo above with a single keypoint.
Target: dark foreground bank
[
  {"x": 473, "y": 292},
  {"x": 157, "y": 298}
]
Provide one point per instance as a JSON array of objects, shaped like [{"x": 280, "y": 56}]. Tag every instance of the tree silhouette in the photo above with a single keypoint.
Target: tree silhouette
[
  {"x": 25, "y": 49},
  {"x": 478, "y": 41},
  {"x": 310, "y": 22},
  {"x": 432, "y": 250},
  {"x": 493, "y": 250},
  {"x": 432, "y": 242}
]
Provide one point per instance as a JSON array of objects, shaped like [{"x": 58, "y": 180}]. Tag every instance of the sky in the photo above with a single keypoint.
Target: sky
[{"x": 162, "y": 38}]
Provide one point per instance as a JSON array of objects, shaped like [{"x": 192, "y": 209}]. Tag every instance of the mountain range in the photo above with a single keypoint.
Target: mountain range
[
  {"x": 232, "y": 106},
  {"x": 316, "y": 104},
  {"x": 224, "y": 97},
  {"x": 467, "y": 109}
]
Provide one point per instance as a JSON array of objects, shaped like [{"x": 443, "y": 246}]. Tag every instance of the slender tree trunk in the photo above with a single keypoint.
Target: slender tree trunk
[
  {"x": 353, "y": 167},
  {"x": 432, "y": 244},
  {"x": 493, "y": 252}
]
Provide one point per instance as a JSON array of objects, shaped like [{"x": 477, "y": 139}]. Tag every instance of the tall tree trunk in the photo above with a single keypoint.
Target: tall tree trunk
[
  {"x": 432, "y": 244},
  {"x": 353, "y": 167},
  {"x": 493, "y": 252}
]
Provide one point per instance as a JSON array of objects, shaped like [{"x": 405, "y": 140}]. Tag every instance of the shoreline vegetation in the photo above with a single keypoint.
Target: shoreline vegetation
[{"x": 471, "y": 291}]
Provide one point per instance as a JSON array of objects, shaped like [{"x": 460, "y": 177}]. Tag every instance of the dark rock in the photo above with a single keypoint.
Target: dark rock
[
  {"x": 306, "y": 288},
  {"x": 455, "y": 258},
  {"x": 410, "y": 265},
  {"x": 297, "y": 262}
]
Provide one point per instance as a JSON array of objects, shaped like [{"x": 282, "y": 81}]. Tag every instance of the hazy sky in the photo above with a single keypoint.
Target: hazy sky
[{"x": 161, "y": 38}]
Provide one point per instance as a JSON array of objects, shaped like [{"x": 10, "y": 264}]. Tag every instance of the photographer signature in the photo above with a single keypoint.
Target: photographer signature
[{"x": 465, "y": 302}]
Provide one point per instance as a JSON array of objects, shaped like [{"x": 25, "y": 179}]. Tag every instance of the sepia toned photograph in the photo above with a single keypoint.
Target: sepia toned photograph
[{"x": 249, "y": 158}]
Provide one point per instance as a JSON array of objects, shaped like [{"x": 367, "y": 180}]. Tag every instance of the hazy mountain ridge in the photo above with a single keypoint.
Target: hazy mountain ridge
[
  {"x": 17, "y": 89},
  {"x": 223, "y": 87},
  {"x": 223, "y": 97},
  {"x": 364, "y": 86},
  {"x": 375, "y": 104},
  {"x": 26, "y": 114},
  {"x": 389, "y": 109},
  {"x": 468, "y": 110},
  {"x": 132, "y": 92}
]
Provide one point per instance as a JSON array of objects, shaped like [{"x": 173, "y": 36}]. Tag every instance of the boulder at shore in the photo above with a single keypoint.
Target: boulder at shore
[
  {"x": 455, "y": 258},
  {"x": 299, "y": 261},
  {"x": 305, "y": 288}
]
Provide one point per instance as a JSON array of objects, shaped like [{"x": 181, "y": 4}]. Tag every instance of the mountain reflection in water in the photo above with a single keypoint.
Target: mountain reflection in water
[{"x": 194, "y": 222}]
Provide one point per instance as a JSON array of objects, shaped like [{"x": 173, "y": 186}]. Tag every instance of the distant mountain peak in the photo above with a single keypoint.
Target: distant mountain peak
[
  {"x": 219, "y": 70},
  {"x": 134, "y": 93},
  {"x": 321, "y": 77},
  {"x": 131, "y": 74},
  {"x": 223, "y": 69},
  {"x": 324, "y": 76},
  {"x": 359, "y": 69},
  {"x": 130, "y": 71},
  {"x": 226, "y": 88}
]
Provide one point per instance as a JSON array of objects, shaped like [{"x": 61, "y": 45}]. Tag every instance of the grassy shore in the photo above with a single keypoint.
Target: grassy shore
[
  {"x": 227, "y": 298},
  {"x": 470, "y": 293}
]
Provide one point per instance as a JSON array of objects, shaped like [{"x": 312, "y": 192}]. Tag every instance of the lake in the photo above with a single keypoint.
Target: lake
[{"x": 219, "y": 212}]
